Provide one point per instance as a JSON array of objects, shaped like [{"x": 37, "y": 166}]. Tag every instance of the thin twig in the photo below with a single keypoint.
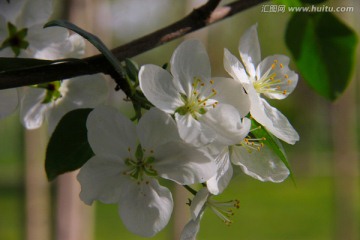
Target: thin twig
[{"x": 197, "y": 19}]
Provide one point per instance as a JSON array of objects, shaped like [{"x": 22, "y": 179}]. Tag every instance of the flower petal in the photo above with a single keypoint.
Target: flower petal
[
  {"x": 286, "y": 79},
  {"x": 183, "y": 163},
  {"x": 249, "y": 48},
  {"x": 263, "y": 165},
  {"x": 279, "y": 126},
  {"x": 32, "y": 110},
  {"x": 146, "y": 208},
  {"x": 110, "y": 133},
  {"x": 8, "y": 101},
  {"x": 197, "y": 209},
  {"x": 101, "y": 179},
  {"x": 190, "y": 60},
  {"x": 11, "y": 10},
  {"x": 159, "y": 88},
  {"x": 35, "y": 12},
  {"x": 156, "y": 128},
  {"x": 232, "y": 92},
  {"x": 225, "y": 121},
  {"x": 234, "y": 67},
  {"x": 192, "y": 131},
  {"x": 191, "y": 230},
  {"x": 221, "y": 180},
  {"x": 86, "y": 91}
]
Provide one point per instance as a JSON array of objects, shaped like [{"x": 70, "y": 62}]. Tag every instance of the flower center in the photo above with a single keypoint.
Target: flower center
[
  {"x": 224, "y": 210},
  {"x": 140, "y": 165},
  {"x": 52, "y": 91},
  {"x": 200, "y": 99},
  {"x": 273, "y": 80},
  {"x": 252, "y": 143},
  {"x": 16, "y": 39}
]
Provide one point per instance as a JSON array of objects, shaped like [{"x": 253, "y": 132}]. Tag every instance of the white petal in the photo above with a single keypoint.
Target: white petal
[
  {"x": 191, "y": 230},
  {"x": 190, "y": 60},
  {"x": 156, "y": 128},
  {"x": 280, "y": 126},
  {"x": 234, "y": 67},
  {"x": 198, "y": 206},
  {"x": 192, "y": 131},
  {"x": 101, "y": 179},
  {"x": 110, "y": 133},
  {"x": 146, "y": 208},
  {"x": 35, "y": 12},
  {"x": 221, "y": 180},
  {"x": 183, "y": 163},
  {"x": 8, "y": 101},
  {"x": 288, "y": 79},
  {"x": 32, "y": 110},
  {"x": 225, "y": 121},
  {"x": 40, "y": 39},
  {"x": 232, "y": 92},
  {"x": 10, "y": 10},
  {"x": 263, "y": 165},
  {"x": 249, "y": 49},
  {"x": 159, "y": 88},
  {"x": 86, "y": 91},
  {"x": 57, "y": 111}
]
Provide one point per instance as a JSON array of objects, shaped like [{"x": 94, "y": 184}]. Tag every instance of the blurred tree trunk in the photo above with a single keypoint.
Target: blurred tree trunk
[
  {"x": 345, "y": 141},
  {"x": 75, "y": 220},
  {"x": 37, "y": 188}
]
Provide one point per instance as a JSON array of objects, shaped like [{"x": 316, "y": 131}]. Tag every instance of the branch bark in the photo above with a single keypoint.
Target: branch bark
[{"x": 197, "y": 19}]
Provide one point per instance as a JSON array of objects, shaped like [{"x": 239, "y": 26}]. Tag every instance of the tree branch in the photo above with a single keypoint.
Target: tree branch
[{"x": 197, "y": 19}]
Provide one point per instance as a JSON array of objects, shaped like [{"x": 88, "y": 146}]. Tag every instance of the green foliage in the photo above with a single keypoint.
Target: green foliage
[
  {"x": 324, "y": 51},
  {"x": 68, "y": 148},
  {"x": 270, "y": 141}
]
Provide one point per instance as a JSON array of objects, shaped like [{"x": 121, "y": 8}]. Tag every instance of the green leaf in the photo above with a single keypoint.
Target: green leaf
[
  {"x": 68, "y": 148},
  {"x": 272, "y": 142},
  {"x": 94, "y": 40},
  {"x": 132, "y": 69},
  {"x": 324, "y": 51}
]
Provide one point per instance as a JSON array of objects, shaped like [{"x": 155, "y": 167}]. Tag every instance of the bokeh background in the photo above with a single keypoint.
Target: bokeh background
[{"x": 322, "y": 204}]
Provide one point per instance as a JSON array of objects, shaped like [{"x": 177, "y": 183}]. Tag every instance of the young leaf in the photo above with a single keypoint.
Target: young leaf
[
  {"x": 324, "y": 51},
  {"x": 272, "y": 142},
  {"x": 68, "y": 148}
]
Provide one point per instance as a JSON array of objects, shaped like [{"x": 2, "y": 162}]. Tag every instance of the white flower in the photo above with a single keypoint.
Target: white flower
[
  {"x": 270, "y": 77},
  {"x": 128, "y": 159},
  {"x": 22, "y": 33},
  {"x": 202, "y": 200},
  {"x": 258, "y": 161},
  {"x": 206, "y": 109},
  {"x": 53, "y": 100},
  {"x": 254, "y": 158}
]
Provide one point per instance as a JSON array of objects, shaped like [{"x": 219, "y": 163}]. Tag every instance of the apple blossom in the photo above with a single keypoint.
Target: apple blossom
[
  {"x": 206, "y": 109},
  {"x": 202, "y": 200},
  {"x": 53, "y": 100},
  {"x": 270, "y": 77},
  {"x": 128, "y": 160}
]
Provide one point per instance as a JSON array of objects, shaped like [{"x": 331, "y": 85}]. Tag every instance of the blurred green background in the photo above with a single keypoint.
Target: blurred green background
[{"x": 323, "y": 204}]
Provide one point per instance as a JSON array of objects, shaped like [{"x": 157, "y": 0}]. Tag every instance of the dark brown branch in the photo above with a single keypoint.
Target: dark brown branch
[{"x": 197, "y": 19}]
